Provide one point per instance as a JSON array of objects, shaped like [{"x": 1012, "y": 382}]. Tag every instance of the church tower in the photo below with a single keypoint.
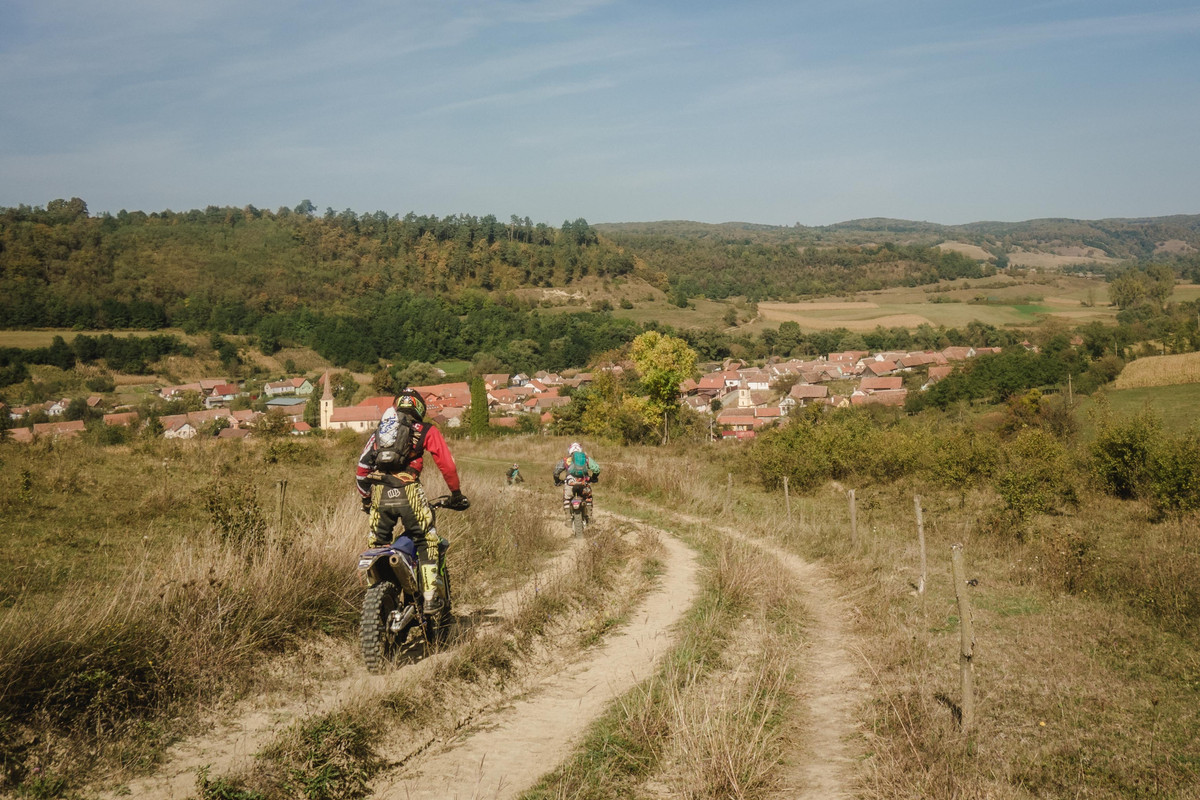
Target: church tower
[{"x": 326, "y": 403}]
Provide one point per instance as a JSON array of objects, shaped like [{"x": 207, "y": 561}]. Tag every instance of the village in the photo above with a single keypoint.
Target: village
[{"x": 741, "y": 399}]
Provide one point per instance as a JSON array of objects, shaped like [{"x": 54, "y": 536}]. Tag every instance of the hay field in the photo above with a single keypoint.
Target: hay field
[
  {"x": 969, "y": 250},
  {"x": 1160, "y": 371},
  {"x": 42, "y": 337}
]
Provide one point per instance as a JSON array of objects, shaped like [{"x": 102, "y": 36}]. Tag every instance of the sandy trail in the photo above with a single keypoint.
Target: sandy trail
[
  {"x": 328, "y": 673},
  {"x": 833, "y": 687},
  {"x": 523, "y": 741}
]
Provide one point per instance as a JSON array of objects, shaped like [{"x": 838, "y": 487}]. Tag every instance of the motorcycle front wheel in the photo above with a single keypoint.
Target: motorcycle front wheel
[{"x": 378, "y": 642}]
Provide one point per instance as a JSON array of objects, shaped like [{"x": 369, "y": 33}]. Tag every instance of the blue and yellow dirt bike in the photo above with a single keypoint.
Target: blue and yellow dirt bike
[{"x": 394, "y": 605}]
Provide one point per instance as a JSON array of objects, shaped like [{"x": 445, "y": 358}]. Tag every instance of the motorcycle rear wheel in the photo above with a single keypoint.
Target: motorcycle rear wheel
[
  {"x": 379, "y": 644},
  {"x": 578, "y": 522}
]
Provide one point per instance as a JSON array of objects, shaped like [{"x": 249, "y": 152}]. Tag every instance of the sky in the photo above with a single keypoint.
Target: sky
[{"x": 774, "y": 112}]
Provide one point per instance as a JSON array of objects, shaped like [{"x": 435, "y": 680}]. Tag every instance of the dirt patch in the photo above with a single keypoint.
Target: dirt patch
[
  {"x": 504, "y": 754},
  {"x": 1174, "y": 247},
  {"x": 800, "y": 308},
  {"x": 969, "y": 250},
  {"x": 317, "y": 680}
]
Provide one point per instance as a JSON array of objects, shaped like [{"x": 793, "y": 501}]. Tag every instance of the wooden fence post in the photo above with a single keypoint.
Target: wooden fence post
[
  {"x": 853, "y": 518},
  {"x": 282, "y": 499},
  {"x": 920, "y": 542},
  {"x": 967, "y": 649},
  {"x": 787, "y": 499}
]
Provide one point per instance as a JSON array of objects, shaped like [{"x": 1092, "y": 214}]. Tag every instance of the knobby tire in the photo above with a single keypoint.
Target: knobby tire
[{"x": 378, "y": 643}]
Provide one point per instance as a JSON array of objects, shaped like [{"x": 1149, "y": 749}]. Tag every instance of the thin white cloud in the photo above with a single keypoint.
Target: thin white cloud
[{"x": 1017, "y": 37}]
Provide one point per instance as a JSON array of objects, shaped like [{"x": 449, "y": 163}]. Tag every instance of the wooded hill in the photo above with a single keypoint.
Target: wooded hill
[
  {"x": 1125, "y": 239},
  {"x": 360, "y": 287}
]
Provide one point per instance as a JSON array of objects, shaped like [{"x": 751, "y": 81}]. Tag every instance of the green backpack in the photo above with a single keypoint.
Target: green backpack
[{"x": 578, "y": 467}]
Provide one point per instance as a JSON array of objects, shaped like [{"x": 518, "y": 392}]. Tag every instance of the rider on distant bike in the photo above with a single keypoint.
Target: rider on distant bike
[
  {"x": 577, "y": 469},
  {"x": 393, "y": 496},
  {"x": 514, "y": 475}
]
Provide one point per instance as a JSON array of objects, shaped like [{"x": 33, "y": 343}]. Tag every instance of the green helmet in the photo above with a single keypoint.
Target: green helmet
[{"x": 410, "y": 402}]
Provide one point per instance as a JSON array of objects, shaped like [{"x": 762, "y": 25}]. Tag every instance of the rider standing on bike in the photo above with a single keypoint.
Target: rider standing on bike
[
  {"x": 577, "y": 467},
  {"x": 393, "y": 495}
]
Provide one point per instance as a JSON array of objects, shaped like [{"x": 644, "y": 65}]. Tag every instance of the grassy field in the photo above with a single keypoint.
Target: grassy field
[
  {"x": 1086, "y": 660},
  {"x": 1177, "y": 406},
  {"x": 1001, "y": 300},
  {"x": 42, "y": 337}
]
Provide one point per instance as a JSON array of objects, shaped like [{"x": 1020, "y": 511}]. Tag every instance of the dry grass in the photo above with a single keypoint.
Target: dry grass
[
  {"x": 111, "y": 643},
  {"x": 1160, "y": 371},
  {"x": 335, "y": 754}
]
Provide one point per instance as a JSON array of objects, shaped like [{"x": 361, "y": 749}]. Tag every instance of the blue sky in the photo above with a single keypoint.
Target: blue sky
[{"x": 771, "y": 112}]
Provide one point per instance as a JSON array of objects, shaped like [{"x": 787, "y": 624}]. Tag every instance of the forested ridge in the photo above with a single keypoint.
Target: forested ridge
[{"x": 363, "y": 287}]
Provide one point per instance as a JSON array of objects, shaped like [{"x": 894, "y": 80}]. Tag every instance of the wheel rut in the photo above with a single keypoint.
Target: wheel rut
[
  {"x": 327, "y": 671},
  {"x": 506, "y": 752},
  {"x": 823, "y": 767}
]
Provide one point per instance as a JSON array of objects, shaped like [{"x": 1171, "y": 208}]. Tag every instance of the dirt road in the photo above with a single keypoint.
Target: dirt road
[{"x": 506, "y": 754}]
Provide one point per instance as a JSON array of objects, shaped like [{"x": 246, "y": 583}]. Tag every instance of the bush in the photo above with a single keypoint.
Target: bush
[
  {"x": 1036, "y": 477},
  {"x": 1173, "y": 479},
  {"x": 232, "y": 507},
  {"x": 1122, "y": 452}
]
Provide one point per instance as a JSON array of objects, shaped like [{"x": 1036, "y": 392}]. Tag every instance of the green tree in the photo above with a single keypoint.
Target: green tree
[
  {"x": 664, "y": 362},
  {"x": 1126, "y": 291},
  {"x": 477, "y": 414},
  {"x": 272, "y": 425}
]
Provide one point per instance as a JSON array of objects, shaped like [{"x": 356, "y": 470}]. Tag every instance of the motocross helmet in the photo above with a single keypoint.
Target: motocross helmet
[
  {"x": 410, "y": 402},
  {"x": 574, "y": 448}
]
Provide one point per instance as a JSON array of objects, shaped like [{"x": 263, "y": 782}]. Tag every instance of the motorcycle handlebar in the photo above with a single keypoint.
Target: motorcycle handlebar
[{"x": 444, "y": 502}]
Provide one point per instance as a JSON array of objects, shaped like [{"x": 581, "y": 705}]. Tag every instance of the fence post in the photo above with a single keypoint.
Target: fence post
[
  {"x": 728, "y": 491},
  {"x": 853, "y": 518},
  {"x": 282, "y": 500},
  {"x": 920, "y": 543},
  {"x": 967, "y": 648},
  {"x": 787, "y": 500}
]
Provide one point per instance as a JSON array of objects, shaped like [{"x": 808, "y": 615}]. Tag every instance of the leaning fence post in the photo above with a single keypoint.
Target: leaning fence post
[
  {"x": 853, "y": 518},
  {"x": 787, "y": 500},
  {"x": 920, "y": 542},
  {"x": 967, "y": 649}
]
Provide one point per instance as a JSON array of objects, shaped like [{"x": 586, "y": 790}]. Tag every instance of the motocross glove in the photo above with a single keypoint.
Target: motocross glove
[
  {"x": 366, "y": 505},
  {"x": 459, "y": 501}
]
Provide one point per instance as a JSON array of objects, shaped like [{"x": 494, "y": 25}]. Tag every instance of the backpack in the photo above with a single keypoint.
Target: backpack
[
  {"x": 578, "y": 465},
  {"x": 396, "y": 443}
]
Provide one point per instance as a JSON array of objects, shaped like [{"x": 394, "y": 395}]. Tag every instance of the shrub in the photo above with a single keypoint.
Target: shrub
[
  {"x": 1036, "y": 477},
  {"x": 1122, "y": 452},
  {"x": 1173, "y": 479},
  {"x": 232, "y": 507}
]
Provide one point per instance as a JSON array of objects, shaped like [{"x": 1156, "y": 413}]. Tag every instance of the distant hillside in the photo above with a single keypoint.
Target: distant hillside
[
  {"x": 234, "y": 269},
  {"x": 1120, "y": 239}
]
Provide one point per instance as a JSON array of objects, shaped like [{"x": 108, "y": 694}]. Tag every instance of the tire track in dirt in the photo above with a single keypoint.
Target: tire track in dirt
[
  {"x": 328, "y": 673},
  {"x": 832, "y": 686},
  {"x": 505, "y": 753}
]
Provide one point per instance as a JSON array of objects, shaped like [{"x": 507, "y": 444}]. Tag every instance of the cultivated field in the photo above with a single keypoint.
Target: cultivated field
[{"x": 1160, "y": 371}]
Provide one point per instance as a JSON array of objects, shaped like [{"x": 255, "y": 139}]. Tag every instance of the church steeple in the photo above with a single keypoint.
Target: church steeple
[{"x": 326, "y": 403}]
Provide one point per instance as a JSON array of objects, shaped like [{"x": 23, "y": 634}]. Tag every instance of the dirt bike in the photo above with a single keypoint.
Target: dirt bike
[
  {"x": 394, "y": 604},
  {"x": 580, "y": 508}
]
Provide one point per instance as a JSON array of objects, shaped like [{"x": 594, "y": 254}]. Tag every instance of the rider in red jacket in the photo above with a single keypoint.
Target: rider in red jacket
[{"x": 393, "y": 496}]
